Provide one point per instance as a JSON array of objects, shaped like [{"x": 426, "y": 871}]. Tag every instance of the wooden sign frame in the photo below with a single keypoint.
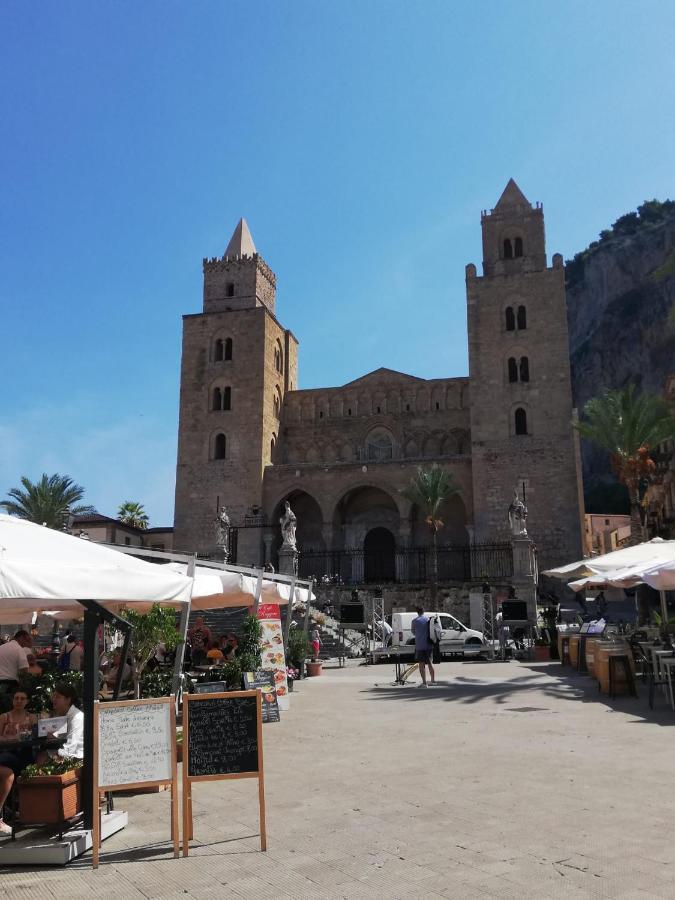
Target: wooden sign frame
[
  {"x": 189, "y": 779},
  {"x": 102, "y": 788}
]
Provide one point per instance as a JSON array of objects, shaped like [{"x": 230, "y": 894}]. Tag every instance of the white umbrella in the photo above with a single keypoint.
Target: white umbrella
[
  {"x": 216, "y": 588},
  {"x": 627, "y": 577},
  {"x": 46, "y": 570},
  {"x": 639, "y": 557},
  {"x": 661, "y": 577}
]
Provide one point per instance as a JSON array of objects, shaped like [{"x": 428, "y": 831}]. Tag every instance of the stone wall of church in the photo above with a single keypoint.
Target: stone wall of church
[
  {"x": 421, "y": 420},
  {"x": 338, "y": 504}
]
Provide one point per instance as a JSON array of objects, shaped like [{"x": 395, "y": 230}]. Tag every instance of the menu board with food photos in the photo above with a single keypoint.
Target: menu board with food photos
[
  {"x": 263, "y": 680},
  {"x": 272, "y": 649}
]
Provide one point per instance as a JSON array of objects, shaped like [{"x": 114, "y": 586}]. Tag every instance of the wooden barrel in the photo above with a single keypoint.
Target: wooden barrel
[
  {"x": 591, "y": 649},
  {"x": 574, "y": 650},
  {"x": 603, "y": 651},
  {"x": 563, "y": 640}
]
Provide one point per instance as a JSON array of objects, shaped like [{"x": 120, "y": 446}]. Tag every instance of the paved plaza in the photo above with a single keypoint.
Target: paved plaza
[{"x": 506, "y": 780}]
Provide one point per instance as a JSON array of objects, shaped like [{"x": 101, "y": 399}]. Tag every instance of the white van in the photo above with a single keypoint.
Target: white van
[{"x": 456, "y": 637}]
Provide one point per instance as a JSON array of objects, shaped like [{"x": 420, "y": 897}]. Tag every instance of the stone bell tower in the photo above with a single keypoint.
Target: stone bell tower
[
  {"x": 237, "y": 364},
  {"x": 521, "y": 397}
]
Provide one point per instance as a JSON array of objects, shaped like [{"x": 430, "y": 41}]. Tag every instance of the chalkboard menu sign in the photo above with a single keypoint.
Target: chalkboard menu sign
[
  {"x": 134, "y": 747},
  {"x": 209, "y": 687},
  {"x": 223, "y": 736},
  {"x": 263, "y": 680}
]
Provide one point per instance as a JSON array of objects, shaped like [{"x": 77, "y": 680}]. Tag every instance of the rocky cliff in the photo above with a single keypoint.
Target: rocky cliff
[{"x": 621, "y": 315}]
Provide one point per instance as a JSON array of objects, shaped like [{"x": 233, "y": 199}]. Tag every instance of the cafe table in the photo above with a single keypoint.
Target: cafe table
[
  {"x": 658, "y": 654},
  {"x": 47, "y": 742}
]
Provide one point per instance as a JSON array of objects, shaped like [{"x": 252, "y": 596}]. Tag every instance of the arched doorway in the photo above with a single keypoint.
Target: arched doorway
[
  {"x": 379, "y": 563},
  {"x": 309, "y": 535}
]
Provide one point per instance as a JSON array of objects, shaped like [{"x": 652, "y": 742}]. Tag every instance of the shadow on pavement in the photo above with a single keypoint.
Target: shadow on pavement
[{"x": 559, "y": 684}]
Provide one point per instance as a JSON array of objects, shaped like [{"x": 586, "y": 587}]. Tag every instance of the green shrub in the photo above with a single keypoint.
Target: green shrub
[
  {"x": 298, "y": 648},
  {"x": 248, "y": 653},
  {"x": 156, "y": 684},
  {"x": 58, "y": 766},
  {"x": 40, "y": 690}
]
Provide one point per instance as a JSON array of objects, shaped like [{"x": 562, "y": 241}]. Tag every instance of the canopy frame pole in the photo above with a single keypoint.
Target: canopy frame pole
[
  {"x": 94, "y": 615},
  {"x": 123, "y": 662},
  {"x": 664, "y": 613},
  {"x": 183, "y": 623},
  {"x": 289, "y": 612},
  {"x": 305, "y": 624},
  {"x": 258, "y": 592}
]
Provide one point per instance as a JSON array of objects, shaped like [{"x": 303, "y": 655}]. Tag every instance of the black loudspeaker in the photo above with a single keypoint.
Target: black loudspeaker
[
  {"x": 514, "y": 610},
  {"x": 352, "y": 614}
]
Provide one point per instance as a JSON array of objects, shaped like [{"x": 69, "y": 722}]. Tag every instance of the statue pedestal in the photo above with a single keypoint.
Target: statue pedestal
[
  {"x": 525, "y": 572},
  {"x": 288, "y": 560}
]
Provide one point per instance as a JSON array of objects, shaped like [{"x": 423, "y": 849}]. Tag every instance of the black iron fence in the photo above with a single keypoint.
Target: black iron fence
[{"x": 473, "y": 562}]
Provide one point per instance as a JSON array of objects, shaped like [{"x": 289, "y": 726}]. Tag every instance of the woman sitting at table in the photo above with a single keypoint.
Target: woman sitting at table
[
  {"x": 228, "y": 645},
  {"x": 111, "y": 674},
  {"x": 12, "y": 725}
]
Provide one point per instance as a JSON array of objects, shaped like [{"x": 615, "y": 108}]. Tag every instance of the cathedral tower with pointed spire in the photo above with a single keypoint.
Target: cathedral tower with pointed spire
[
  {"x": 237, "y": 364},
  {"x": 521, "y": 396}
]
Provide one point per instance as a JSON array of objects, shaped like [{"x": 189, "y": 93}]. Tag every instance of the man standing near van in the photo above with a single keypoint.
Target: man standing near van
[{"x": 423, "y": 648}]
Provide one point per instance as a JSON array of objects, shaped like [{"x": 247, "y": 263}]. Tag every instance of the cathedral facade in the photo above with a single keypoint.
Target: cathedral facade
[{"x": 250, "y": 439}]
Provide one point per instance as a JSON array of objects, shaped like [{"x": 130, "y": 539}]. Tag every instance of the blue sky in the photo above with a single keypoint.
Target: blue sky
[{"x": 359, "y": 139}]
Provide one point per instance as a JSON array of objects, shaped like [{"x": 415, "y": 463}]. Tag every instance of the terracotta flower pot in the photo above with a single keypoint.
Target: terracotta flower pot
[
  {"x": 542, "y": 653},
  {"x": 50, "y": 799},
  {"x": 314, "y": 668}
]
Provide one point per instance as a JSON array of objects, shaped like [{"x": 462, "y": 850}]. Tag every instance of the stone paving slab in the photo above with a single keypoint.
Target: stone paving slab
[{"x": 514, "y": 780}]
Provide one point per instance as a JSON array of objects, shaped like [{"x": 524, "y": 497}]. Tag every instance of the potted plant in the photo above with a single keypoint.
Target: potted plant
[
  {"x": 291, "y": 675},
  {"x": 158, "y": 626},
  {"x": 297, "y": 650},
  {"x": 50, "y": 793},
  {"x": 248, "y": 654}
]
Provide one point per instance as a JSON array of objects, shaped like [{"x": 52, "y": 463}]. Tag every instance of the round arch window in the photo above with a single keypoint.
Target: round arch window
[{"x": 379, "y": 445}]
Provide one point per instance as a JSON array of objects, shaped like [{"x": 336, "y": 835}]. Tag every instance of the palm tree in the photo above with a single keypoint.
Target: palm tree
[
  {"x": 428, "y": 489},
  {"x": 629, "y": 426},
  {"x": 50, "y": 501},
  {"x": 133, "y": 514}
]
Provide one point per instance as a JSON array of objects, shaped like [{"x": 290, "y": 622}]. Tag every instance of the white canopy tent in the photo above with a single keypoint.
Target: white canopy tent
[
  {"x": 652, "y": 563},
  {"x": 638, "y": 558},
  {"x": 46, "y": 570},
  {"x": 661, "y": 577}
]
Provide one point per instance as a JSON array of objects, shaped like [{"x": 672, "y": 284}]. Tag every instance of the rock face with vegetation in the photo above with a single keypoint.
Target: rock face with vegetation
[{"x": 621, "y": 315}]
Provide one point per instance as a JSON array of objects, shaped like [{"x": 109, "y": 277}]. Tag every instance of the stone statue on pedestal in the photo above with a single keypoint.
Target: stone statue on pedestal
[
  {"x": 288, "y": 524},
  {"x": 518, "y": 516},
  {"x": 223, "y": 531}
]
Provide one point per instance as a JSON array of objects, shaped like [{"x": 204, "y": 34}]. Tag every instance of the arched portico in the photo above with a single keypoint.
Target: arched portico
[
  {"x": 361, "y": 509},
  {"x": 309, "y": 533},
  {"x": 453, "y": 531}
]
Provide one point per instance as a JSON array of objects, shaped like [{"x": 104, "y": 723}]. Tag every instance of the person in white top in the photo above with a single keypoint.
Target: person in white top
[
  {"x": 63, "y": 704},
  {"x": 14, "y": 658}
]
